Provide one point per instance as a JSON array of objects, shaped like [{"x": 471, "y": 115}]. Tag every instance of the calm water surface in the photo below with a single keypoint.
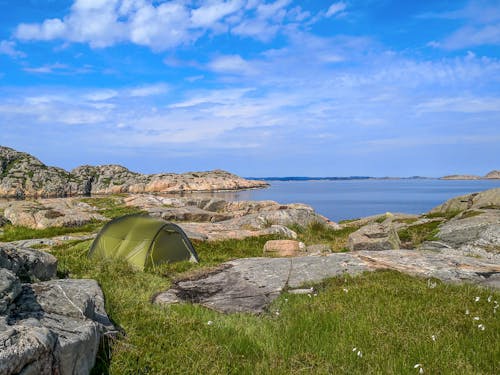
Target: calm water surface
[{"x": 340, "y": 200}]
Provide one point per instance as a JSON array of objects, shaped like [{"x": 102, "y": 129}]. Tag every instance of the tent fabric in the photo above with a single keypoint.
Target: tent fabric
[{"x": 143, "y": 241}]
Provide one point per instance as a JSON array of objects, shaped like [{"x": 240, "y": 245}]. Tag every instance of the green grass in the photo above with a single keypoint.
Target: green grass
[
  {"x": 15, "y": 233},
  {"x": 317, "y": 233},
  {"x": 445, "y": 215},
  {"x": 414, "y": 235},
  {"x": 389, "y": 316},
  {"x": 111, "y": 206}
]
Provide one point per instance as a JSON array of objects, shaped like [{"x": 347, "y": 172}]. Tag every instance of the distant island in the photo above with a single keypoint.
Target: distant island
[{"x": 490, "y": 176}]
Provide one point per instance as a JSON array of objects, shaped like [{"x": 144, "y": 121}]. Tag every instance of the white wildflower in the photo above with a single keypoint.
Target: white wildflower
[
  {"x": 467, "y": 312},
  {"x": 420, "y": 368},
  {"x": 345, "y": 290},
  {"x": 481, "y": 327},
  {"x": 309, "y": 295},
  {"x": 277, "y": 313},
  {"x": 354, "y": 349},
  {"x": 477, "y": 299},
  {"x": 490, "y": 298},
  {"x": 477, "y": 318},
  {"x": 433, "y": 337},
  {"x": 431, "y": 284},
  {"x": 360, "y": 354},
  {"x": 210, "y": 322}
]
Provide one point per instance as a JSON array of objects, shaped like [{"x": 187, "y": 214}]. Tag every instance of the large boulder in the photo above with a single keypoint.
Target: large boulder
[
  {"x": 53, "y": 327},
  {"x": 28, "y": 264},
  {"x": 47, "y": 327},
  {"x": 480, "y": 230},
  {"x": 374, "y": 236}
]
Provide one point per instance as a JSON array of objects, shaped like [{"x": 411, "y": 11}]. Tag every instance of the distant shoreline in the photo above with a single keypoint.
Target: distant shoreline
[{"x": 358, "y": 178}]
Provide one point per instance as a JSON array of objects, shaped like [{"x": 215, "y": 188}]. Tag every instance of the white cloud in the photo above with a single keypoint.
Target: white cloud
[
  {"x": 460, "y": 105},
  {"x": 8, "y": 47},
  {"x": 335, "y": 8},
  {"x": 472, "y": 37},
  {"x": 48, "y": 68},
  {"x": 161, "y": 25},
  {"x": 101, "y": 95},
  {"x": 213, "y": 11},
  {"x": 149, "y": 90},
  {"x": 231, "y": 64}
]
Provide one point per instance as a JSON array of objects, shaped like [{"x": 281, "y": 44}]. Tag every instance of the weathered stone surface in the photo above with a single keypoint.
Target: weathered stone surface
[
  {"x": 374, "y": 237},
  {"x": 284, "y": 248},
  {"x": 51, "y": 213},
  {"x": 251, "y": 284},
  {"x": 58, "y": 240},
  {"x": 317, "y": 249},
  {"x": 220, "y": 231},
  {"x": 470, "y": 233},
  {"x": 22, "y": 175},
  {"x": 54, "y": 327},
  {"x": 485, "y": 199},
  {"x": 446, "y": 267},
  {"x": 10, "y": 287},
  {"x": 28, "y": 264}
]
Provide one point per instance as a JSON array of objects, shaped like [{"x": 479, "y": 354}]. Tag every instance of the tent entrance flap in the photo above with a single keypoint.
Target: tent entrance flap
[{"x": 143, "y": 241}]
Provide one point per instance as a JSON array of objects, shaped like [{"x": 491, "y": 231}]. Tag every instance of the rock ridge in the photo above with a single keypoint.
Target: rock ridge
[{"x": 22, "y": 175}]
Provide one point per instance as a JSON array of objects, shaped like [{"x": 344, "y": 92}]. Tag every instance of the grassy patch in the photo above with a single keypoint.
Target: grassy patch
[
  {"x": 111, "y": 206},
  {"x": 445, "y": 215},
  {"x": 389, "y": 317},
  {"x": 414, "y": 235},
  {"x": 347, "y": 221},
  {"x": 15, "y": 233},
  {"x": 406, "y": 221},
  {"x": 317, "y": 232}
]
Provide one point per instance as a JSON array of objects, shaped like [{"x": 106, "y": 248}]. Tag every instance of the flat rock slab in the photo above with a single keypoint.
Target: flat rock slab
[
  {"x": 251, "y": 284},
  {"x": 28, "y": 264}
]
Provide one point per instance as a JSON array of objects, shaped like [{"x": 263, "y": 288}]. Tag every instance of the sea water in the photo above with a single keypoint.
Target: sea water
[{"x": 349, "y": 199}]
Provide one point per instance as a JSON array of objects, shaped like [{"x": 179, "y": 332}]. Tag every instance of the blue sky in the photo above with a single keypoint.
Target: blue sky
[{"x": 259, "y": 88}]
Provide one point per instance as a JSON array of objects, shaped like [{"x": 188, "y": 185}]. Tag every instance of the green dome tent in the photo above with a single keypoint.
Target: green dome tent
[{"x": 143, "y": 241}]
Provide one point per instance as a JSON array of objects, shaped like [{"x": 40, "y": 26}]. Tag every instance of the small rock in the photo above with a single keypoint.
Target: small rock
[
  {"x": 374, "y": 237},
  {"x": 284, "y": 248}
]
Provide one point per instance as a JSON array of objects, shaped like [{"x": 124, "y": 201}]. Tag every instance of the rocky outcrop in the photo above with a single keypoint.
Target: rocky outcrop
[
  {"x": 22, "y": 175},
  {"x": 47, "y": 327},
  {"x": 215, "y": 219},
  {"x": 374, "y": 237},
  {"x": 461, "y": 177},
  {"x": 482, "y": 200},
  {"x": 51, "y": 213},
  {"x": 493, "y": 175},
  {"x": 251, "y": 284}
]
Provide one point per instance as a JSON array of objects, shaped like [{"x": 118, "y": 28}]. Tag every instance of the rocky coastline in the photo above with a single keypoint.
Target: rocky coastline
[{"x": 23, "y": 176}]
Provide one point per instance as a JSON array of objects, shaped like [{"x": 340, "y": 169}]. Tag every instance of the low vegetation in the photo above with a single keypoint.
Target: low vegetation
[
  {"x": 414, "y": 235},
  {"x": 381, "y": 322},
  {"x": 111, "y": 206},
  {"x": 15, "y": 233},
  {"x": 317, "y": 232}
]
